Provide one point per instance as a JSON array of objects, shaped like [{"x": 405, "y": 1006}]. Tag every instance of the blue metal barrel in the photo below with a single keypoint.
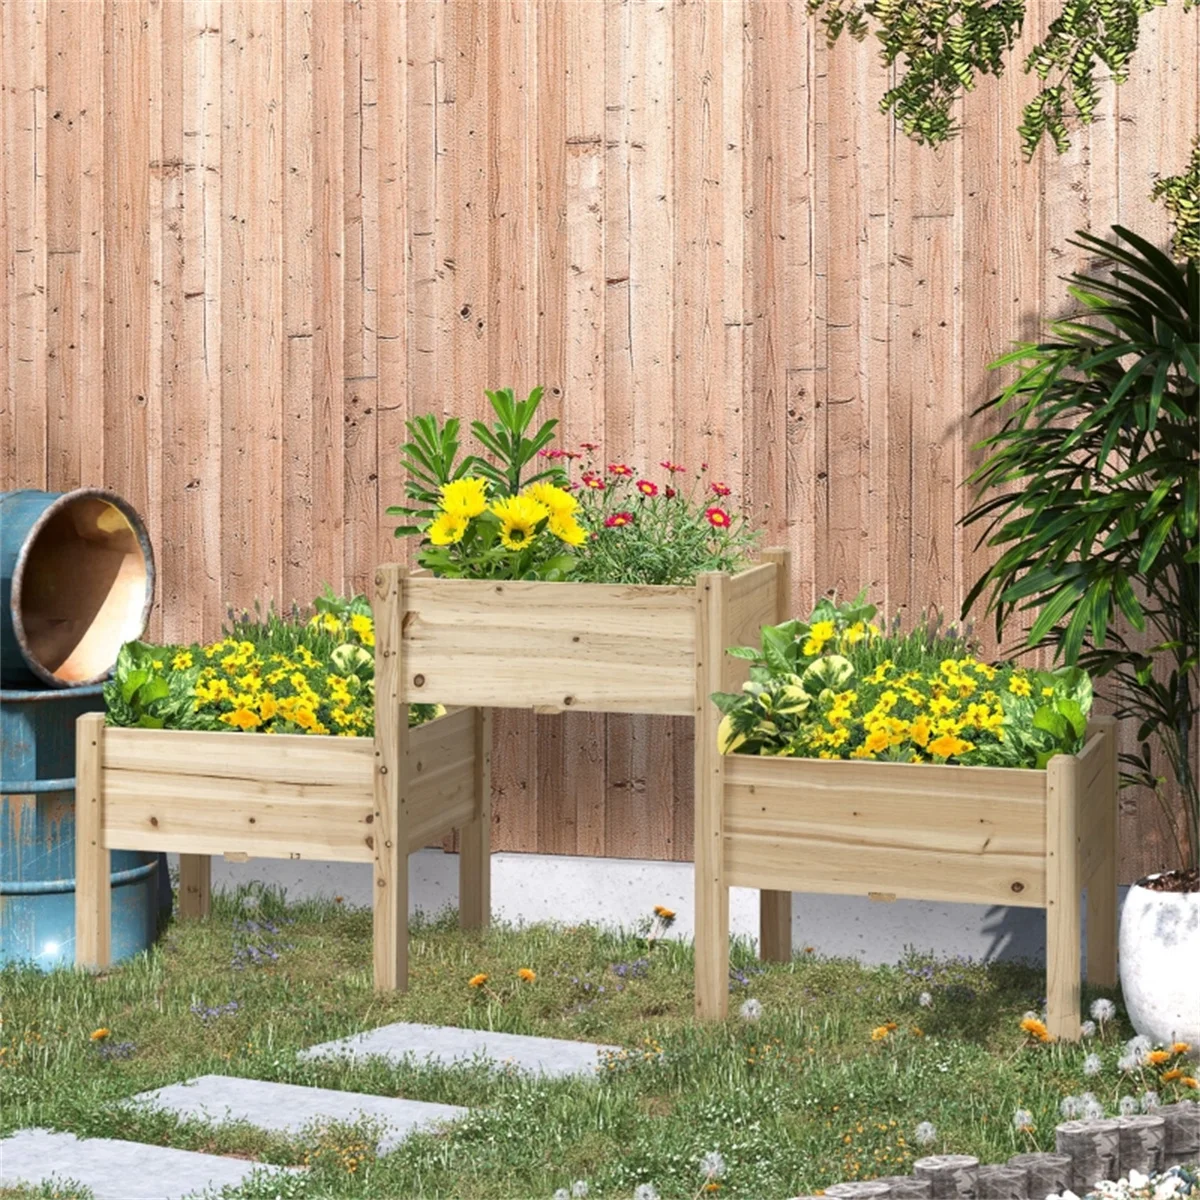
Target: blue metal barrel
[
  {"x": 37, "y": 837},
  {"x": 76, "y": 583}
]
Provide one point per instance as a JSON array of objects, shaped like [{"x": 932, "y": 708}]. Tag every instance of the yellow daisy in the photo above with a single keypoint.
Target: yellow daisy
[
  {"x": 464, "y": 498},
  {"x": 519, "y": 519},
  {"x": 560, "y": 502},
  {"x": 447, "y": 529}
]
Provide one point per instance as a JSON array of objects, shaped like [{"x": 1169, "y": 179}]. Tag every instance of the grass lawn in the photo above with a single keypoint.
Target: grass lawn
[{"x": 796, "y": 1100}]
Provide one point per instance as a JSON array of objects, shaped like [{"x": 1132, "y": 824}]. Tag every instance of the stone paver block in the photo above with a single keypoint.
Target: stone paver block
[
  {"x": 289, "y": 1107},
  {"x": 116, "y": 1170},
  {"x": 445, "y": 1045}
]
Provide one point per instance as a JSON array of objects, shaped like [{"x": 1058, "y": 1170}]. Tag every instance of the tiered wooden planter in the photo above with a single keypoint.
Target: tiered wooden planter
[
  {"x": 547, "y": 646},
  {"x": 979, "y": 835}
]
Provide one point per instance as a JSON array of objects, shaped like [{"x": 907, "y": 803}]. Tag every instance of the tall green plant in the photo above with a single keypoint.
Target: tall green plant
[{"x": 1090, "y": 491}]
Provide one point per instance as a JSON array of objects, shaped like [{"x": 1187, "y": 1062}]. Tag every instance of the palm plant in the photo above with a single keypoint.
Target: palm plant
[{"x": 1090, "y": 489}]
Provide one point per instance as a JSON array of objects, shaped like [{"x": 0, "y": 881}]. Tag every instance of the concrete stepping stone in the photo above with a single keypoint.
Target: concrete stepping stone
[
  {"x": 289, "y": 1107},
  {"x": 448, "y": 1046},
  {"x": 116, "y": 1170}
]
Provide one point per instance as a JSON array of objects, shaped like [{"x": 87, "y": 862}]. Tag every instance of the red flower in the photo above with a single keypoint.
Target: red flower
[
  {"x": 589, "y": 445},
  {"x": 720, "y": 489},
  {"x": 671, "y": 493},
  {"x": 553, "y": 454},
  {"x": 571, "y": 454},
  {"x": 718, "y": 518},
  {"x": 594, "y": 482},
  {"x": 670, "y": 466},
  {"x": 619, "y": 469},
  {"x": 618, "y": 519},
  {"x": 647, "y": 488}
]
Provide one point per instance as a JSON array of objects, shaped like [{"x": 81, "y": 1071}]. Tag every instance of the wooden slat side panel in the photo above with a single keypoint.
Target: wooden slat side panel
[
  {"x": 594, "y": 648},
  {"x": 304, "y": 760}
]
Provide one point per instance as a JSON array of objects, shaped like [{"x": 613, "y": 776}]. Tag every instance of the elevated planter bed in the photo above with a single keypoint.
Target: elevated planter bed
[
  {"x": 255, "y": 795},
  {"x": 975, "y": 835}
]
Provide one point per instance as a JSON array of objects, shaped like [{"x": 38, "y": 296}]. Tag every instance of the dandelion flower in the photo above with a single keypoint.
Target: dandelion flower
[
  {"x": 1087, "y": 1029},
  {"x": 527, "y": 975},
  {"x": 1181, "y": 1047},
  {"x": 1172, "y": 1075},
  {"x": 1149, "y": 1101},
  {"x": 579, "y": 1189},
  {"x": 1128, "y": 1106},
  {"x": 98, "y": 1035},
  {"x": 666, "y": 914},
  {"x": 1036, "y": 1028},
  {"x": 712, "y": 1165},
  {"x": 1092, "y": 1065},
  {"x": 925, "y": 1000},
  {"x": 477, "y": 981},
  {"x": 1070, "y": 1107},
  {"x": 1156, "y": 1058},
  {"x": 751, "y": 1010},
  {"x": 925, "y": 1133},
  {"x": 1093, "y": 1110},
  {"x": 1023, "y": 1120},
  {"x": 645, "y": 1191},
  {"x": 1103, "y": 1010},
  {"x": 1138, "y": 1047}
]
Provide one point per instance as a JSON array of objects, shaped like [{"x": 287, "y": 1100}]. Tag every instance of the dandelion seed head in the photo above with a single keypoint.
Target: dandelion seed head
[
  {"x": 1093, "y": 1110},
  {"x": 579, "y": 1189},
  {"x": 1087, "y": 1029},
  {"x": 1138, "y": 1047},
  {"x": 1092, "y": 1065},
  {"x": 1127, "y": 1063},
  {"x": 751, "y": 1009},
  {"x": 1149, "y": 1101},
  {"x": 1103, "y": 1010},
  {"x": 1022, "y": 1120},
  {"x": 925, "y": 1000},
  {"x": 712, "y": 1165},
  {"x": 561, "y": 1194},
  {"x": 645, "y": 1191},
  {"x": 925, "y": 1133},
  {"x": 1070, "y": 1107},
  {"x": 1128, "y": 1106}
]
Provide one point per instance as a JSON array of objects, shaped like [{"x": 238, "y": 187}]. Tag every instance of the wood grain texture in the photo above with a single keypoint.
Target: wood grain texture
[
  {"x": 93, "y": 895},
  {"x": 243, "y": 242}
]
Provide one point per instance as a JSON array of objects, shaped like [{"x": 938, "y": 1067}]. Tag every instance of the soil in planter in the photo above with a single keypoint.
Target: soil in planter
[{"x": 1174, "y": 881}]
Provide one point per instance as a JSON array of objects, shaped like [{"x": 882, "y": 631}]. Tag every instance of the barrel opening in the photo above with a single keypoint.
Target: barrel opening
[{"x": 81, "y": 588}]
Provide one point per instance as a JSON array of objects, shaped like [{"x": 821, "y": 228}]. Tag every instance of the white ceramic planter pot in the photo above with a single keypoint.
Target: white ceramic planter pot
[{"x": 1160, "y": 963}]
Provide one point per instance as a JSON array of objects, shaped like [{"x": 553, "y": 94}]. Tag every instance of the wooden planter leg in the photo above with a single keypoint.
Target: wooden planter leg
[
  {"x": 390, "y": 834},
  {"x": 1062, "y": 898},
  {"x": 775, "y": 908},
  {"x": 195, "y": 885},
  {"x": 93, "y": 897},
  {"x": 712, "y": 893},
  {"x": 1102, "y": 886},
  {"x": 475, "y": 838}
]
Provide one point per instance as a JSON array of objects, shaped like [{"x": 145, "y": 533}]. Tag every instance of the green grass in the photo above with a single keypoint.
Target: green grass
[{"x": 794, "y": 1102}]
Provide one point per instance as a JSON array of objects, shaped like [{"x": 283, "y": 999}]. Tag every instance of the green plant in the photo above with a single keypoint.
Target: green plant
[
  {"x": 944, "y": 44},
  {"x": 644, "y": 532},
  {"x": 837, "y": 686},
  {"x": 1090, "y": 492},
  {"x": 431, "y": 456},
  {"x": 1180, "y": 195}
]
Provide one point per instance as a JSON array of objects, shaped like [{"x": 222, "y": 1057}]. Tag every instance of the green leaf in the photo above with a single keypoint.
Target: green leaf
[{"x": 1052, "y": 722}]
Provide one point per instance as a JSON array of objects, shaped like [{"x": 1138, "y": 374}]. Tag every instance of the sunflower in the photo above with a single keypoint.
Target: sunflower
[
  {"x": 464, "y": 498},
  {"x": 519, "y": 519},
  {"x": 448, "y": 528},
  {"x": 557, "y": 500}
]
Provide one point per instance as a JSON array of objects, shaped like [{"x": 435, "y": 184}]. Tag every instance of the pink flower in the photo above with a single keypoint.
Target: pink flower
[
  {"x": 720, "y": 489},
  {"x": 718, "y": 518},
  {"x": 589, "y": 445},
  {"x": 594, "y": 482},
  {"x": 671, "y": 493},
  {"x": 619, "y": 469},
  {"x": 671, "y": 466},
  {"x": 647, "y": 488},
  {"x": 617, "y": 520}
]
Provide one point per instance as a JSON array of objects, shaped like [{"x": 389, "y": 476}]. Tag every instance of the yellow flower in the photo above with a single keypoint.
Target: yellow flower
[
  {"x": 447, "y": 529},
  {"x": 267, "y": 706},
  {"x": 877, "y": 741},
  {"x": 364, "y": 627},
  {"x": 1036, "y": 1029},
  {"x": 919, "y": 731},
  {"x": 519, "y": 518},
  {"x": 182, "y": 660},
  {"x": 1047, "y": 691},
  {"x": 856, "y": 633},
  {"x": 465, "y": 498},
  {"x": 243, "y": 718},
  {"x": 941, "y": 705},
  {"x": 948, "y": 745},
  {"x": 477, "y": 981},
  {"x": 98, "y": 1035},
  {"x": 1188, "y": 1082},
  {"x": 1180, "y": 1048},
  {"x": 567, "y": 529},
  {"x": 1171, "y": 1075},
  {"x": 560, "y": 503},
  {"x": 1019, "y": 686},
  {"x": 1157, "y": 1057},
  {"x": 667, "y": 914},
  {"x": 527, "y": 975}
]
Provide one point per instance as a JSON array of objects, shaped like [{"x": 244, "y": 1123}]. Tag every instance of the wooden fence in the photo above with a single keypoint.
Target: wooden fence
[{"x": 244, "y": 240}]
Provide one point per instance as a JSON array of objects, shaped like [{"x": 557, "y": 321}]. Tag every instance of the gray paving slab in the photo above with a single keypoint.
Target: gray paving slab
[
  {"x": 447, "y": 1046},
  {"x": 116, "y": 1170},
  {"x": 289, "y": 1107}
]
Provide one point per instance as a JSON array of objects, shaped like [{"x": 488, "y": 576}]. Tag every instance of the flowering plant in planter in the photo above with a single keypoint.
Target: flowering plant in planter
[
  {"x": 267, "y": 675},
  {"x": 645, "y": 531},
  {"x": 837, "y": 686}
]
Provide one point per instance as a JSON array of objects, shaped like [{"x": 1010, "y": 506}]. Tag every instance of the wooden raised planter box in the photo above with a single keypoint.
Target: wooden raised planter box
[
  {"x": 981, "y": 835},
  {"x": 256, "y": 795}
]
